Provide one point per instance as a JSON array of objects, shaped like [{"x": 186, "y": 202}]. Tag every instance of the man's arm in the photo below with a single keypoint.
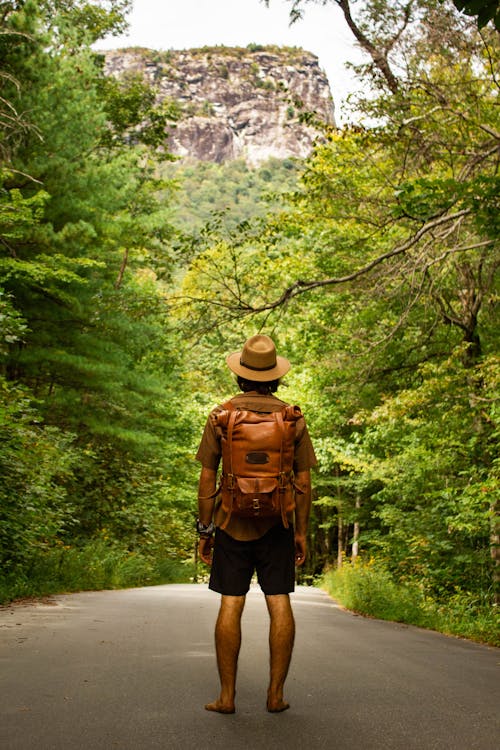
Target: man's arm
[
  {"x": 206, "y": 501},
  {"x": 302, "y": 512}
]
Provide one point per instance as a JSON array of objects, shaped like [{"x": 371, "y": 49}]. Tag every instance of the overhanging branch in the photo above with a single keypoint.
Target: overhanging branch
[
  {"x": 300, "y": 286},
  {"x": 435, "y": 230}
]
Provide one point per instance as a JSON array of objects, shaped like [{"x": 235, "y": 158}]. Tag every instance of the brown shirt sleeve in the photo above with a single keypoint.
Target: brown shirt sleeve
[
  {"x": 304, "y": 457},
  {"x": 209, "y": 452}
]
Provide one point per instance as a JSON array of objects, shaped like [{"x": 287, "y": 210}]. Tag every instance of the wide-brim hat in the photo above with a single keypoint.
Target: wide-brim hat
[{"x": 258, "y": 360}]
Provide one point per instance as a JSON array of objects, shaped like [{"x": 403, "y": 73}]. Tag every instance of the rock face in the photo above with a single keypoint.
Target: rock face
[{"x": 237, "y": 103}]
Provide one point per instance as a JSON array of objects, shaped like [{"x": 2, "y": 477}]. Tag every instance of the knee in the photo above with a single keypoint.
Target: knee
[
  {"x": 279, "y": 605},
  {"x": 232, "y": 606}
]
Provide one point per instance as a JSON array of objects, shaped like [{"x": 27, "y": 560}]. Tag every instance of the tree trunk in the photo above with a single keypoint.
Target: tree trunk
[
  {"x": 121, "y": 272},
  {"x": 340, "y": 523},
  {"x": 355, "y": 540},
  {"x": 340, "y": 549},
  {"x": 495, "y": 552},
  {"x": 378, "y": 56}
]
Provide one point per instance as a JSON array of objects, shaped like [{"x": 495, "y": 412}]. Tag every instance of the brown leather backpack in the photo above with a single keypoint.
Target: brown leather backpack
[{"x": 257, "y": 462}]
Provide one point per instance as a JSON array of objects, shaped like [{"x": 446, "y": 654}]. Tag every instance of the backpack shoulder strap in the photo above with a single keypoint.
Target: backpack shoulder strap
[
  {"x": 292, "y": 413},
  {"x": 282, "y": 479},
  {"x": 230, "y": 428},
  {"x": 229, "y": 418}
]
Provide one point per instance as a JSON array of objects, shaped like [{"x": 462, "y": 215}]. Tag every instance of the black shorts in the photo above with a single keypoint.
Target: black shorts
[{"x": 272, "y": 556}]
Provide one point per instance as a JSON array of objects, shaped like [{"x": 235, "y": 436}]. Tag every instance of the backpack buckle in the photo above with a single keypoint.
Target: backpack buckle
[{"x": 230, "y": 481}]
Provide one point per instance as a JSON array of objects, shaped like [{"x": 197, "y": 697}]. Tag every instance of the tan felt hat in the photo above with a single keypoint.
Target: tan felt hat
[{"x": 258, "y": 360}]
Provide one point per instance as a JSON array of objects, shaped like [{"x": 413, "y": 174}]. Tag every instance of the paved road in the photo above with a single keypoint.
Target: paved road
[{"x": 132, "y": 669}]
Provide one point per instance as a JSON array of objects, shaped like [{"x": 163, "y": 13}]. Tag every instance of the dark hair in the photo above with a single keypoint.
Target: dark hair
[{"x": 263, "y": 388}]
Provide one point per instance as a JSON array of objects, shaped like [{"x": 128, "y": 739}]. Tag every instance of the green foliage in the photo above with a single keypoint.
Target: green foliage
[
  {"x": 84, "y": 20},
  {"x": 239, "y": 52},
  {"x": 369, "y": 589},
  {"x": 98, "y": 565},
  {"x": 94, "y": 441},
  {"x": 35, "y": 465},
  {"x": 234, "y": 190},
  {"x": 439, "y": 478},
  {"x": 133, "y": 115},
  {"x": 12, "y": 326}
]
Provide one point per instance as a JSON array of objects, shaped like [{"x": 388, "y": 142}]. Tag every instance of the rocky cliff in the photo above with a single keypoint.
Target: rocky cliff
[{"x": 236, "y": 103}]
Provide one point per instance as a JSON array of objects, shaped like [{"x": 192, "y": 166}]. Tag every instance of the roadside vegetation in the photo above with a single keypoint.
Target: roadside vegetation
[
  {"x": 93, "y": 567},
  {"x": 368, "y": 588},
  {"x": 125, "y": 279}
]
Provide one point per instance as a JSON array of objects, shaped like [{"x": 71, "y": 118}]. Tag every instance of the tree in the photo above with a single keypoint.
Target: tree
[{"x": 88, "y": 342}]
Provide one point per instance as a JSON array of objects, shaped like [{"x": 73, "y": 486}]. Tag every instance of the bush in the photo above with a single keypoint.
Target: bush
[
  {"x": 469, "y": 616},
  {"x": 369, "y": 589},
  {"x": 96, "y": 566}
]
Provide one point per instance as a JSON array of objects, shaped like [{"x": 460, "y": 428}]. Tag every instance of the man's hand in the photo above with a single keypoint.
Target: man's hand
[
  {"x": 300, "y": 549},
  {"x": 205, "y": 549}
]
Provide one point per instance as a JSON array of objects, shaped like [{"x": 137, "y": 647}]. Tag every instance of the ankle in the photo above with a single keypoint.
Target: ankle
[
  {"x": 227, "y": 697},
  {"x": 275, "y": 692}
]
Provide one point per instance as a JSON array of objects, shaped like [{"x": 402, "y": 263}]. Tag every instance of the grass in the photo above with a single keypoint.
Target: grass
[
  {"x": 369, "y": 589},
  {"x": 94, "y": 567}
]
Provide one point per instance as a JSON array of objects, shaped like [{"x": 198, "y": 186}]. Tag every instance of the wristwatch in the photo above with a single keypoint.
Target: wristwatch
[{"x": 203, "y": 530}]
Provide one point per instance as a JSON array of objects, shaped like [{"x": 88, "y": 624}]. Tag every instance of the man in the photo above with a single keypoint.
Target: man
[{"x": 247, "y": 544}]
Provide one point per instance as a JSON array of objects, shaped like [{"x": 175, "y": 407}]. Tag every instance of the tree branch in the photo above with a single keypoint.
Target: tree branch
[
  {"x": 238, "y": 307},
  {"x": 378, "y": 57},
  {"x": 300, "y": 286}
]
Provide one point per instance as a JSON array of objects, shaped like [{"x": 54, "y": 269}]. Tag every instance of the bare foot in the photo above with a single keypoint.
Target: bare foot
[
  {"x": 277, "y": 706},
  {"x": 221, "y": 708}
]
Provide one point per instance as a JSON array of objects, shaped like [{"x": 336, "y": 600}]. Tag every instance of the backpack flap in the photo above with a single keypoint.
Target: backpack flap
[{"x": 257, "y": 497}]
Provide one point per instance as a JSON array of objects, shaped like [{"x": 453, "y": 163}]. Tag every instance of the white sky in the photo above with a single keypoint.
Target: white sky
[{"x": 180, "y": 24}]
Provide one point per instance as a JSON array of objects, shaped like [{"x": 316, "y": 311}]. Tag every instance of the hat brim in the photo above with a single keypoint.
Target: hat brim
[{"x": 260, "y": 376}]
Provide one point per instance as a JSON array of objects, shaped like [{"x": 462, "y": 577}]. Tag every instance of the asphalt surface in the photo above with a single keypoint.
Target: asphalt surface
[{"x": 132, "y": 669}]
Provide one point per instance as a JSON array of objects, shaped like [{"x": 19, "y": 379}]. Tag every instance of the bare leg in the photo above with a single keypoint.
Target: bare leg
[
  {"x": 281, "y": 639},
  {"x": 227, "y": 646}
]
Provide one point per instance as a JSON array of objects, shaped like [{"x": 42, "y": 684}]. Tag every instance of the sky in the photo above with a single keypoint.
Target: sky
[{"x": 181, "y": 24}]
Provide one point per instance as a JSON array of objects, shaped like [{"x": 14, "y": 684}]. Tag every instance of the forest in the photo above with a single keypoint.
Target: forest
[{"x": 123, "y": 286}]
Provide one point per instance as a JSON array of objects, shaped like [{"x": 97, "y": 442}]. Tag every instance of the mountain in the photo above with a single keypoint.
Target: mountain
[{"x": 237, "y": 103}]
